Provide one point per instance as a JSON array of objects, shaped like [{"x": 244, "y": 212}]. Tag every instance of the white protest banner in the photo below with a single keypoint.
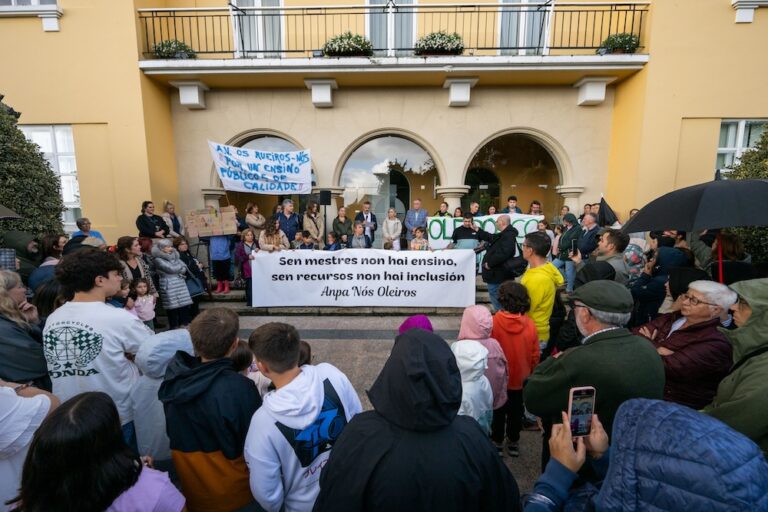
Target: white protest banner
[
  {"x": 262, "y": 172},
  {"x": 440, "y": 229},
  {"x": 364, "y": 277}
]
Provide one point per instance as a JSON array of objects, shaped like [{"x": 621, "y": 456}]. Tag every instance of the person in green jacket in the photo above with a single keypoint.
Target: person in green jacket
[
  {"x": 742, "y": 397},
  {"x": 27, "y": 251},
  {"x": 611, "y": 359},
  {"x": 342, "y": 227},
  {"x": 571, "y": 231}
]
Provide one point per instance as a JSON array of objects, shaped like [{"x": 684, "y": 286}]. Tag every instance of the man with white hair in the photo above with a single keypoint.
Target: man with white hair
[{"x": 696, "y": 355}]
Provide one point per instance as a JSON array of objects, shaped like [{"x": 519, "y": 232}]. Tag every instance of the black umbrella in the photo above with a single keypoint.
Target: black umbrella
[
  {"x": 7, "y": 213},
  {"x": 711, "y": 205},
  {"x": 605, "y": 215}
]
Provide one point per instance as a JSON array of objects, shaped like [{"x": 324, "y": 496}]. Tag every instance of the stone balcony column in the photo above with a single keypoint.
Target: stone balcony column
[
  {"x": 452, "y": 195},
  {"x": 571, "y": 194},
  {"x": 211, "y": 196}
]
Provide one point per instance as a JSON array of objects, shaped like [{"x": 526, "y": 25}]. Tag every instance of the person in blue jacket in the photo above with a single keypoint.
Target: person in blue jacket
[
  {"x": 289, "y": 221},
  {"x": 664, "y": 456},
  {"x": 332, "y": 242},
  {"x": 220, "y": 261}
]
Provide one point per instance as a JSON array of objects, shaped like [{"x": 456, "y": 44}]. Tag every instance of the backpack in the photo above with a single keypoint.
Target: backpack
[{"x": 516, "y": 265}]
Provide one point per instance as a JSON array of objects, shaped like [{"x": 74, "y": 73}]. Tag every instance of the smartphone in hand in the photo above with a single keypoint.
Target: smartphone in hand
[
  {"x": 581, "y": 407},
  {"x": 573, "y": 247}
]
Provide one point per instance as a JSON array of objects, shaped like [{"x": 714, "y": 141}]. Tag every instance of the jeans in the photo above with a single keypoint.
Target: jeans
[
  {"x": 493, "y": 292},
  {"x": 249, "y": 291},
  {"x": 569, "y": 274},
  {"x": 129, "y": 435}
]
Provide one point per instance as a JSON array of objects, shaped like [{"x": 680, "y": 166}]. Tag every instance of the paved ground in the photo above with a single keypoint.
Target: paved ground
[{"x": 359, "y": 346}]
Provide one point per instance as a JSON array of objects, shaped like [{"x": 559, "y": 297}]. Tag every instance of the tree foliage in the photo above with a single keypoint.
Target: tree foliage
[
  {"x": 28, "y": 185},
  {"x": 754, "y": 165}
]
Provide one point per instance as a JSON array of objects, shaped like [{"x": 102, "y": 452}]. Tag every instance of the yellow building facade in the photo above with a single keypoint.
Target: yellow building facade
[{"x": 528, "y": 109}]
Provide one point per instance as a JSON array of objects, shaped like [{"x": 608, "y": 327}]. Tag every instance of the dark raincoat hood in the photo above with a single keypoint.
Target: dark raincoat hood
[
  {"x": 419, "y": 387},
  {"x": 18, "y": 240},
  {"x": 413, "y": 452}
]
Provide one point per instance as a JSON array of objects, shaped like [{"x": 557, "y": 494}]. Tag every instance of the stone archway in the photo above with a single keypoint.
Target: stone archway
[
  {"x": 383, "y": 169},
  {"x": 530, "y": 165}
]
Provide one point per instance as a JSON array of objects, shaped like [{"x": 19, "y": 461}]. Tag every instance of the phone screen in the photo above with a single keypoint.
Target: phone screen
[
  {"x": 582, "y": 408},
  {"x": 7, "y": 259},
  {"x": 573, "y": 246}
]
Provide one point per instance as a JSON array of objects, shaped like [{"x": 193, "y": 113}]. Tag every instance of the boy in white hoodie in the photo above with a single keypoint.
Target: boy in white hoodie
[{"x": 291, "y": 435}]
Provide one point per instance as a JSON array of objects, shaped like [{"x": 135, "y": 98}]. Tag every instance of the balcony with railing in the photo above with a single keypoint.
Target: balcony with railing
[{"x": 547, "y": 28}]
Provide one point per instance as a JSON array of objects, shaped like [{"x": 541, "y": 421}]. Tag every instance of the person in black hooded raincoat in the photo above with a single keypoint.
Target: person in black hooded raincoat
[{"x": 412, "y": 452}]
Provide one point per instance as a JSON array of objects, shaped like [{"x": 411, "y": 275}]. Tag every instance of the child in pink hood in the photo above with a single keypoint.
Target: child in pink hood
[{"x": 476, "y": 324}]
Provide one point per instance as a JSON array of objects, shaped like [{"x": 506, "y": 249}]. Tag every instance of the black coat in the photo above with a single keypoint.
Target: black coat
[
  {"x": 503, "y": 248},
  {"x": 361, "y": 218},
  {"x": 413, "y": 452},
  {"x": 588, "y": 242},
  {"x": 148, "y": 226},
  {"x": 21, "y": 355}
]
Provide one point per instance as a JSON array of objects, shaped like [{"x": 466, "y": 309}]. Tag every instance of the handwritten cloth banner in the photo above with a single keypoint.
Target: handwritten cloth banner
[
  {"x": 364, "y": 277},
  {"x": 262, "y": 172},
  {"x": 440, "y": 229}
]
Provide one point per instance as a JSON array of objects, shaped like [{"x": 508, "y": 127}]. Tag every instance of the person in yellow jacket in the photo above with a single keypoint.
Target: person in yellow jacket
[{"x": 541, "y": 279}]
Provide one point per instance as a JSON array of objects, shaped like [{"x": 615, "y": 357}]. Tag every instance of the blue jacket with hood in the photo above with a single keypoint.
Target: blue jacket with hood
[{"x": 666, "y": 456}]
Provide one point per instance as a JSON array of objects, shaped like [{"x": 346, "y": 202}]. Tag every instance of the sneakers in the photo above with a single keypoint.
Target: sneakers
[
  {"x": 499, "y": 447},
  {"x": 512, "y": 448},
  {"x": 530, "y": 426}
]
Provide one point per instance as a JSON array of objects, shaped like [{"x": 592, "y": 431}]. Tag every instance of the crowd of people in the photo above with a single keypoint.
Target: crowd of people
[{"x": 100, "y": 412}]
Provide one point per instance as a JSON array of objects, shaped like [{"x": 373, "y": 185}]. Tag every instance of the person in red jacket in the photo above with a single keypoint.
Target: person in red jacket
[
  {"x": 516, "y": 333},
  {"x": 696, "y": 355}
]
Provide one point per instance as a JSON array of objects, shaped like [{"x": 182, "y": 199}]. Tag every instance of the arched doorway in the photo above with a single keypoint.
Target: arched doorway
[
  {"x": 265, "y": 202},
  {"x": 484, "y": 189},
  {"x": 514, "y": 164},
  {"x": 389, "y": 171}
]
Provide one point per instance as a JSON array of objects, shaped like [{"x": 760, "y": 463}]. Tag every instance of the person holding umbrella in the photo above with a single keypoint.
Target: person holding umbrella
[{"x": 690, "y": 209}]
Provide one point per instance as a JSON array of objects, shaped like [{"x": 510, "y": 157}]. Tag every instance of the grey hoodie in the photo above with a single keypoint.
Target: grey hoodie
[{"x": 149, "y": 418}]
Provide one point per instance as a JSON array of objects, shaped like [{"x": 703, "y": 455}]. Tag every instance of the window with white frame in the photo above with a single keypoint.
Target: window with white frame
[
  {"x": 58, "y": 147},
  {"x": 736, "y": 137},
  {"x": 25, "y": 3}
]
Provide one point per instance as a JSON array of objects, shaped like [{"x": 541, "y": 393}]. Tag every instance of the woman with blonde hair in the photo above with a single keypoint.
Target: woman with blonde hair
[
  {"x": 175, "y": 224},
  {"x": 392, "y": 229},
  {"x": 21, "y": 339}
]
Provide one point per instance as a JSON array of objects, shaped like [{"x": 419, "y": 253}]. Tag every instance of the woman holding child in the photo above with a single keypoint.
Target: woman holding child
[{"x": 134, "y": 267}]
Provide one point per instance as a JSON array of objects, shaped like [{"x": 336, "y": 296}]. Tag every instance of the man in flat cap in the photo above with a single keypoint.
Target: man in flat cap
[{"x": 611, "y": 359}]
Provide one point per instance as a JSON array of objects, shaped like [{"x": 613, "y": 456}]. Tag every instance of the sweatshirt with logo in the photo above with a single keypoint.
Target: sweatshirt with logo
[{"x": 291, "y": 436}]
